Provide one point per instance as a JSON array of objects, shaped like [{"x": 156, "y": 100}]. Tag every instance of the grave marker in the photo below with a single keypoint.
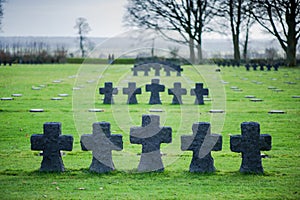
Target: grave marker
[
  {"x": 177, "y": 92},
  {"x": 155, "y": 88},
  {"x": 150, "y": 136},
  {"x": 51, "y": 143},
  {"x": 199, "y": 91},
  {"x": 201, "y": 142},
  {"x": 132, "y": 91},
  {"x": 101, "y": 142},
  {"x": 250, "y": 143},
  {"x": 108, "y": 92}
]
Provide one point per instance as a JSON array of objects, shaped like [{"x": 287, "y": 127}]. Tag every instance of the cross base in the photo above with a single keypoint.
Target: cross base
[
  {"x": 202, "y": 165},
  {"x": 99, "y": 167},
  {"x": 151, "y": 162}
]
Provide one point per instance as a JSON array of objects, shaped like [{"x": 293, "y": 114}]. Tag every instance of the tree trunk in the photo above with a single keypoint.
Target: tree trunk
[
  {"x": 81, "y": 46},
  {"x": 236, "y": 48},
  {"x": 291, "y": 36},
  {"x": 192, "y": 51},
  {"x": 199, "y": 52}
]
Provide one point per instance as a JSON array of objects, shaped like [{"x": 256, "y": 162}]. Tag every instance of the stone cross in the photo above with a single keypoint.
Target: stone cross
[
  {"x": 199, "y": 91},
  {"x": 132, "y": 91},
  {"x": 201, "y": 143},
  {"x": 247, "y": 67},
  {"x": 150, "y": 136},
  {"x": 155, "y": 88},
  {"x": 101, "y": 142},
  {"x": 157, "y": 68},
  {"x": 250, "y": 143},
  {"x": 254, "y": 65},
  {"x": 51, "y": 143},
  {"x": 177, "y": 92},
  {"x": 108, "y": 92},
  {"x": 168, "y": 70}
]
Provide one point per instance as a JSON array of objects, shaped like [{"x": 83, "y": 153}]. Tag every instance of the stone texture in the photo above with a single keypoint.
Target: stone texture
[
  {"x": 177, "y": 92},
  {"x": 132, "y": 91},
  {"x": 201, "y": 142},
  {"x": 101, "y": 142},
  {"x": 150, "y": 136},
  {"x": 250, "y": 143},
  {"x": 199, "y": 91},
  {"x": 108, "y": 92},
  {"x": 155, "y": 88},
  {"x": 51, "y": 143}
]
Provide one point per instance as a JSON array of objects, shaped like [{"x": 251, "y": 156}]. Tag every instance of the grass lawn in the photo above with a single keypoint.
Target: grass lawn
[{"x": 19, "y": 168}]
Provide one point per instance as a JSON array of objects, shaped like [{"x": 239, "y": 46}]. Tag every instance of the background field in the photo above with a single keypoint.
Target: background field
[{"x": 19, "y": 166}]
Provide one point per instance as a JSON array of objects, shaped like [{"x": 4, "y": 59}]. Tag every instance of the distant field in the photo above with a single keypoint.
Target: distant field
[{"x": 19, "y": 175}]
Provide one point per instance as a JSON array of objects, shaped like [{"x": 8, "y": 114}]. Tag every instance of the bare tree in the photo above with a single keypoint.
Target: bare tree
[
  {"x": 188, "y": 18},
  {"x": 281, "y": 18},
  {"x": 236, "y": 17},
  {"x": 83, "y": 29}
]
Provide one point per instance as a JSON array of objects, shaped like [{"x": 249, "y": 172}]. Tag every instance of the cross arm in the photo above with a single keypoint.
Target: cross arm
[
  {"x": 186, "y": 142},
  {"x": 166, "y": 134},
  {"x": 218, "y": 142},
  {"x": 85, "y": 142},
  {"x": 236, "y": 143},
  {"x": 265, "y": 142},
  {"x": 117, "y": 142},
  {"x": 65, "y": 142},
  {"x": 37, "y": 142}
]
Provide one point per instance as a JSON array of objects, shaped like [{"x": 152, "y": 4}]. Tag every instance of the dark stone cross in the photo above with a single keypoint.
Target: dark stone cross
[
  {"x": 247, "y": 67},
  {"x": 250, "y": 143},
  {"x": 132, "y": 91},
  {"x": 199, "y": 91},
  {"x": 101, "y": 142},
  {"x": 157, "y": 68},
  {"x": 261, "y": 66},
  {"x": 155, "y": 88},
  {"x": 254, "y": 65},
  {"x": 201, "y": 143},
  {"x": 108, "y": 92},
  {"x": 150, "y": 136},
  {"x": 177, "y": 92},
  {"x": 51, "y": 143}
]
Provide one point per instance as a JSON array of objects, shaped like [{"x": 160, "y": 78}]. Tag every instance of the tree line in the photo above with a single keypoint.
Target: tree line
[{"x": 191, "y": 18}]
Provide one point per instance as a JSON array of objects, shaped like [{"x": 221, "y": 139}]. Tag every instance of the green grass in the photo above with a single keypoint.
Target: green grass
[{"x": 19, "y": 175}]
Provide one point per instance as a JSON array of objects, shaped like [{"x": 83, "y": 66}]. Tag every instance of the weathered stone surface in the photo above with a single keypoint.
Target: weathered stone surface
[
  {"x": 250, "y": 143},
  {"x": 177, "y": 92},
  {"x": 132, "y": 91},
  {"x": 201, "y": 142},
  {"x": 150, "y": 136},
  {"x": 108, "y": 92},
  {"x": 101, "y": 142},
  {"x": 199, "y": 91},
  {"x": 51, "y": 143},
  {"x": 155, "y": 88}
]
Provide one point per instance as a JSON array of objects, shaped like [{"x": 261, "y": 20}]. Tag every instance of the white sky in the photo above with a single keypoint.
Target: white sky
[{"x": 57, "y": 18}]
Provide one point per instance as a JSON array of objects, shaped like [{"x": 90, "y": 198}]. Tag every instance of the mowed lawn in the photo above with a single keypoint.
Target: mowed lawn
[{"x": 19, "y": 168}]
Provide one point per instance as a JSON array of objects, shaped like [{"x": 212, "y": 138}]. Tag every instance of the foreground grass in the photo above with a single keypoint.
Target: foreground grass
[{"x": 19, "y": 174}]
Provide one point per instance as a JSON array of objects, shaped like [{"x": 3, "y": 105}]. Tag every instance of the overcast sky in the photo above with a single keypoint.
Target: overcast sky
[{"x": 57, "y": 18}]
